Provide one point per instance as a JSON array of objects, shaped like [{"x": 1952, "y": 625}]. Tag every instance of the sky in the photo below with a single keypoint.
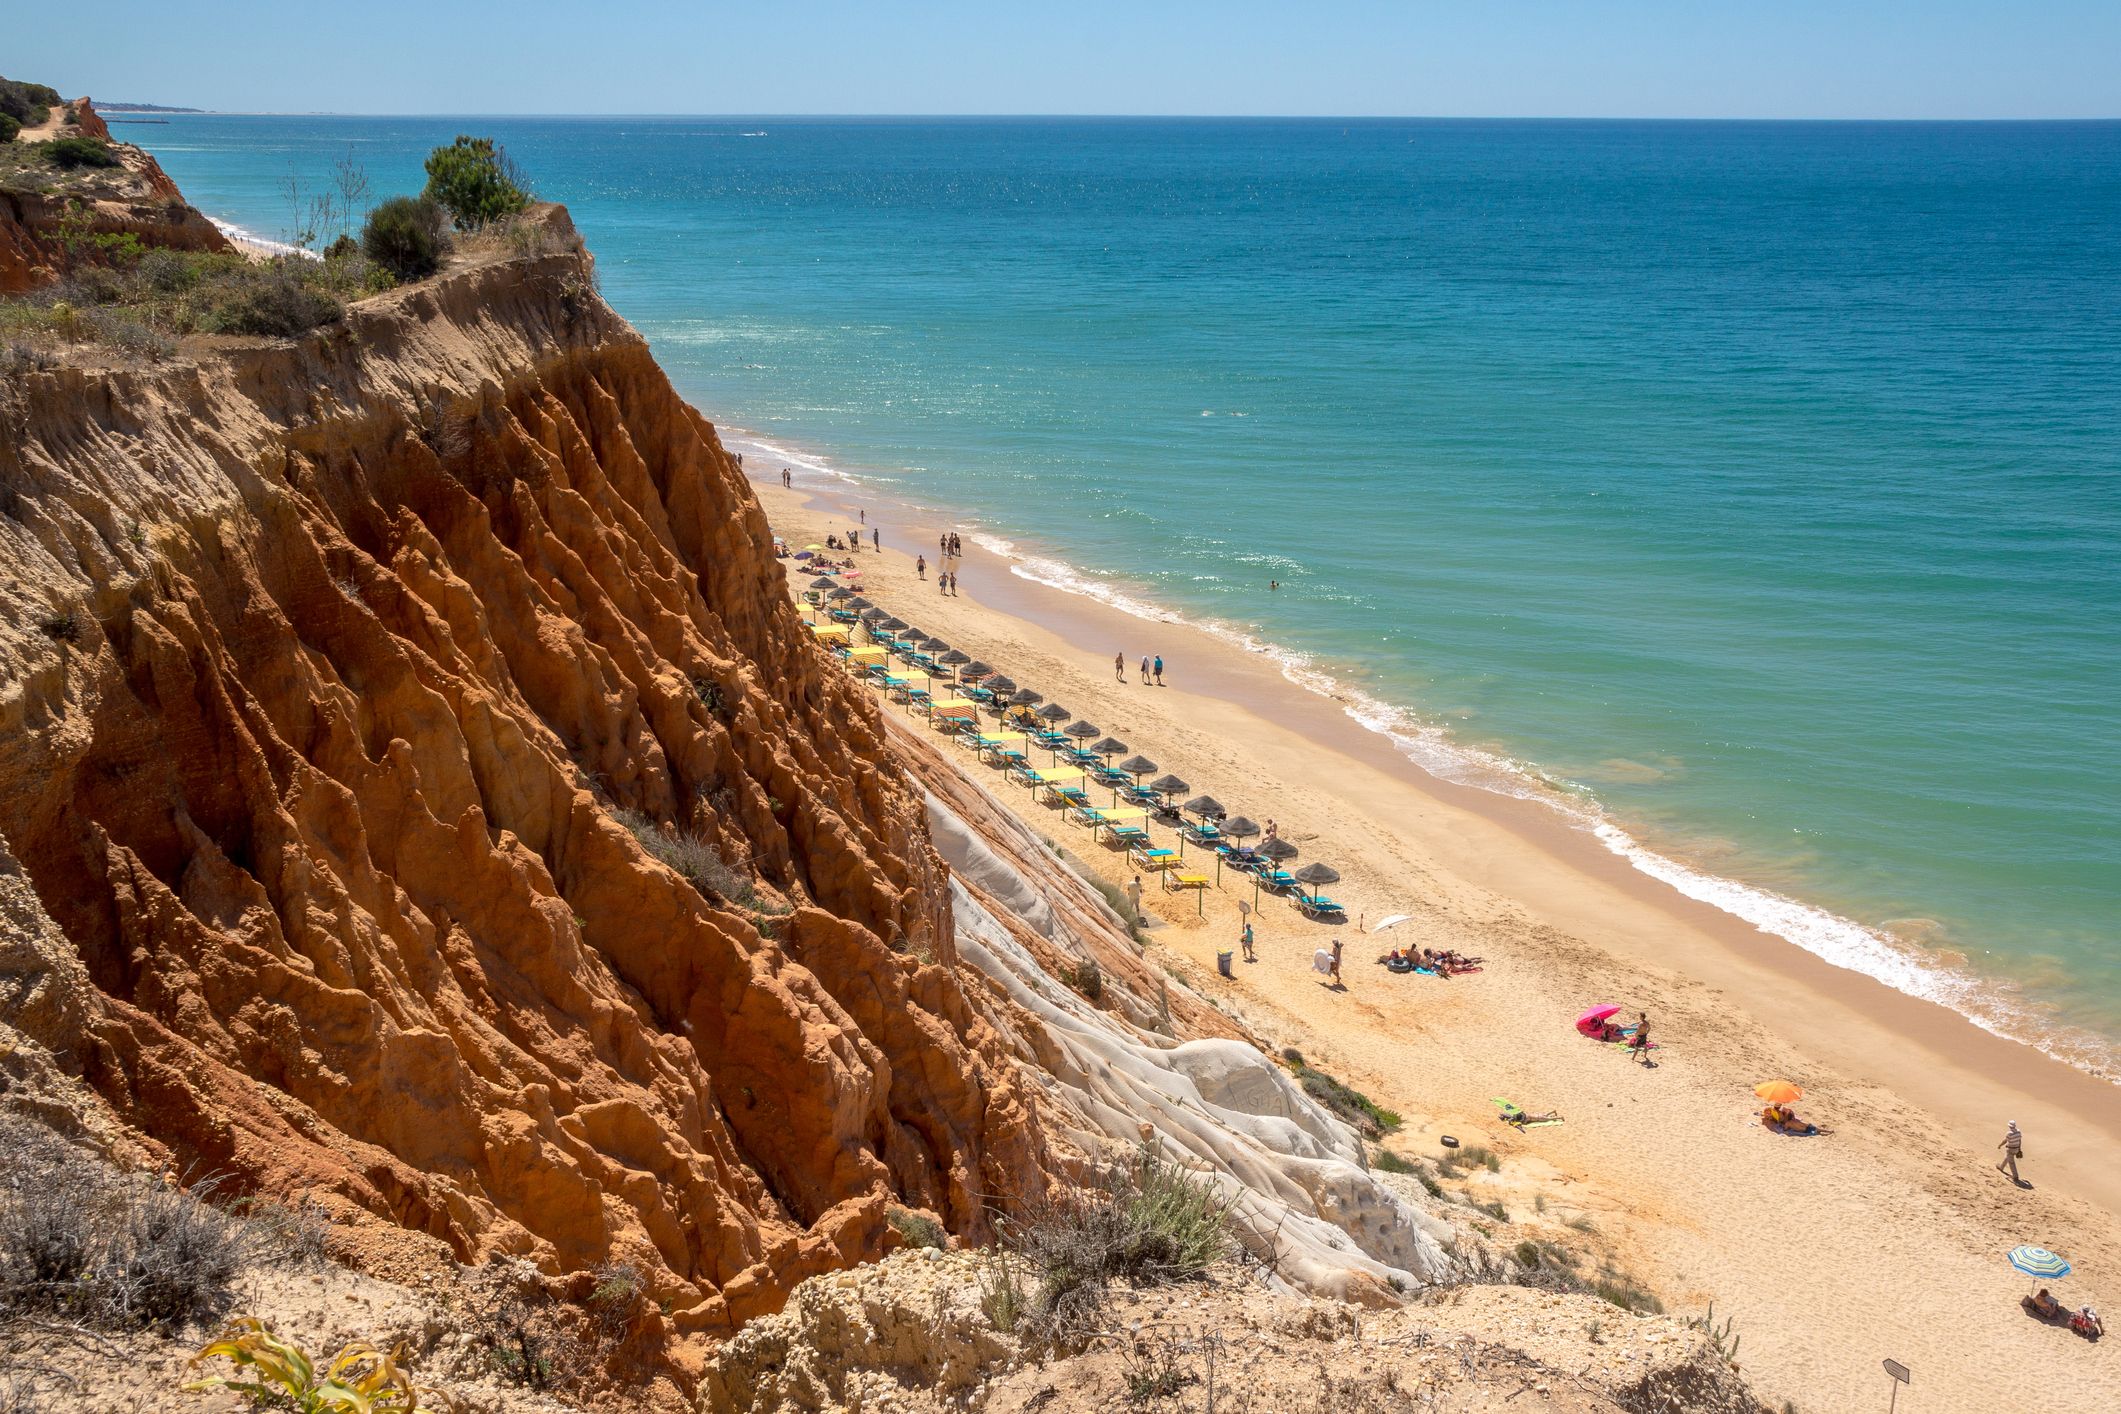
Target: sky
[{"x": 1342, "y": 58}]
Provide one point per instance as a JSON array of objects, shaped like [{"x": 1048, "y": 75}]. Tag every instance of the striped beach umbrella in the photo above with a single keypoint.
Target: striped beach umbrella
[{"x": 2038, "y": 1263}]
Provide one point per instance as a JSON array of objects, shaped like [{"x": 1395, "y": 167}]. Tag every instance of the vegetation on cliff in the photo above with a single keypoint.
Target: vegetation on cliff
[
  {"x": 24, "y": 105},
  {"x": 476, "y": 182}
]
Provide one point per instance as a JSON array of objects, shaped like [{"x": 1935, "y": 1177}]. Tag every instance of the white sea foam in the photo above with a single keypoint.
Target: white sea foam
[
  {"x": 1873, "y": 952},
  {"x": 254, "y": 241}
]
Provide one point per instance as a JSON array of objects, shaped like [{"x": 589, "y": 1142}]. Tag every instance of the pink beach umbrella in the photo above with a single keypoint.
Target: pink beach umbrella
[{"x": 1589, "y": 1021}]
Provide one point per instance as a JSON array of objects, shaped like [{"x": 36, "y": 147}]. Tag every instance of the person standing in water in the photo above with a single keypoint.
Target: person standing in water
[
  {"x": 876, "y": 538},
  {"x": 865, "y": 516}
]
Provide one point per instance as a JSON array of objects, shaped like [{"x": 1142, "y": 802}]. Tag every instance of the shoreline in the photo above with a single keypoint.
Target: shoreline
[
  {"x": 1942, "y": 979},
  {"x": 1886, "y": 1236}
]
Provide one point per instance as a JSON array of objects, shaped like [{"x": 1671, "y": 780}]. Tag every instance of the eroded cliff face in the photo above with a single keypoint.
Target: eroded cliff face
[
  {"x": 48, "y": 219},
  {"x": 324, "y": 668}
]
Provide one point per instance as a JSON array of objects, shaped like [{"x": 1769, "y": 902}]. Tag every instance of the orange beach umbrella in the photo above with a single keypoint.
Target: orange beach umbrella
[{"x": 1779, "y": 1092}]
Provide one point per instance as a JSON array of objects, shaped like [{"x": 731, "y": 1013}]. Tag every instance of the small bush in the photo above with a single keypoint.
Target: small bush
[
  {"x": 617, "y": 1298},
  {"x": 1430, "y": 1186},
  {"x": 693, "y": 858},
  {"x": 278, "y": 305},
  {"x": 83, "y": 1242},
  {"x": 1085, "y": 978},
  {"x": 1626, "y": 1295},
  {"x": 1477, "y": 1156},
  {"x": 1358, "y": 1109},
  {"x": 511, "y": 1316},
  {"x": 182, "y": 1255},
  {"x": 9, "y": 126},
  {"x": 167, "y": 272},
  {"x": 62, "y": 627},
  {"x": 72, "y": 153},
  {"x": 1385, "y": 1161},
  {"x": 916, "y": 1229},
  {"x": 405, "y": 236},
  {"x": 1157, "y": 1223},
  {"x": 475, "y": 182}
]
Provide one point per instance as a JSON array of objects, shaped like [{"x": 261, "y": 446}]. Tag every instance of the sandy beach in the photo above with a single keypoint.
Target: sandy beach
[{"x": 1882, "y": 1239}]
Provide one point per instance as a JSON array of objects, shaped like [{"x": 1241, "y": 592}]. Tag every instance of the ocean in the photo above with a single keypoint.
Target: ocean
[{"x": 1749, "y": 491}]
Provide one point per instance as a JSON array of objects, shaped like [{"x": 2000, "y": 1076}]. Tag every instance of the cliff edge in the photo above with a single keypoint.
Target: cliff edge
[{"x": 329, "y": 670}]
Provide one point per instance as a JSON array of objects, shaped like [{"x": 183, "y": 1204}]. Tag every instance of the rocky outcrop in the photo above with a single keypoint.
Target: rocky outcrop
[
  {"x": 49, "y": 220},
  {"x": 325, "y": 669}
]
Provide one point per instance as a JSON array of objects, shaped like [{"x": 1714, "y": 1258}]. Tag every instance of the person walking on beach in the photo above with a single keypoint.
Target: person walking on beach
[
  {"x": 1639, "y": 1043},
  {"x": 1159, "y": 670},
  {"x": 2013, "y": 1147},
  {"x": 942, "y": 580},
  {"x": 1336, "y": 966},
  {"x": 787, "y": 478},
  {"x": 1244, "y": 940},
  {"x": 957, "y": 546},
  {"x": 920, "y": 566},
  {"x": 1145, "y": 670},
  {"x": 876, "y": 537},
  {"x": 1119, "y": 666},
  {"x": 1134, "y": 899}
]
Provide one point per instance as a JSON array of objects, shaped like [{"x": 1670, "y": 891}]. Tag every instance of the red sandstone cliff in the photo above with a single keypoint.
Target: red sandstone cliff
[
  {"x": 324, "y": 666},
  {"x": 136, "y": 197}
]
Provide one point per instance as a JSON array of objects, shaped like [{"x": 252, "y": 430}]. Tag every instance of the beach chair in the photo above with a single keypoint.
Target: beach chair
[
  {"x": 1128, "y": 837},
  {"x": 1073, "y": 797},
  {"x": 1140, "y": 795},
  {"x": 1202, "y": 834},
  {"x": 1319, "y": 906},
  {"x": 1153, "y": 859},
  {"x": 1273, "y": 879}
]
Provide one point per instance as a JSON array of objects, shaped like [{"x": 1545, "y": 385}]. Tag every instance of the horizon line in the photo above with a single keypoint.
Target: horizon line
[{"x": 120, "y": 104}]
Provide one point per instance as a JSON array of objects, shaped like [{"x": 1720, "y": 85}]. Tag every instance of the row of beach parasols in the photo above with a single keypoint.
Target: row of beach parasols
[{"x": 1205, "y": 808}]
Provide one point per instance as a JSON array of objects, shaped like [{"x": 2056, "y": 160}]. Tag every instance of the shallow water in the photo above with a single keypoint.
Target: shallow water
[{"x": 1752, "y": 489}]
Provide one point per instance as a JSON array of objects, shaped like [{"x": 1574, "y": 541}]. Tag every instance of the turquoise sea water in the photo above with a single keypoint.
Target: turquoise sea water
[{"x": 1751, "y": 490}]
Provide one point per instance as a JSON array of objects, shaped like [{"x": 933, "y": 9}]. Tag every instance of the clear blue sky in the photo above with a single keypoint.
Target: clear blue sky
[{"x": 1649, "y": 58}]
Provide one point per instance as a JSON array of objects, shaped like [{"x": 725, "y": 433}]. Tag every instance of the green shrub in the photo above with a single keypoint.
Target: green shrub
[
  {"x": 916, "y": 1229},
  {"x": 475, "y": 182},
  {"x": 9, "y": 126},
  {"x": 73, "y": 152},
  {"x": 1358, "y": 1109},
  {"x": 28, "y": 104},
  {"x": 405, "y": 236},
  {"x": 1385, "y": 1161},
  {"x": 279, "y": 304},
  {"x": 1156, "y": 1223}
]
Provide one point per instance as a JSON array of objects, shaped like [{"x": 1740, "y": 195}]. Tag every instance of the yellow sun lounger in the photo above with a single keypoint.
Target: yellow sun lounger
[{"x": 829, "y": 630}]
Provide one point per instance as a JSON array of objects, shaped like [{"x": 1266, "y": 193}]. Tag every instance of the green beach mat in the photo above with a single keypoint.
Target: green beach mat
[{"x": 1512, "y": 1107}]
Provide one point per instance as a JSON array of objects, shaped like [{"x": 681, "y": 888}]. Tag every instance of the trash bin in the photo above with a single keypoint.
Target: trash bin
[{"x": 1222, "y": 962}]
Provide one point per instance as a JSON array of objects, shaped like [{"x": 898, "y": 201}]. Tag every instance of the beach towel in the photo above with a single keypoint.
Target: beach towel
[
  {"x": 1322, "y": 961},
  {"x": 1511, "y": 1107}
]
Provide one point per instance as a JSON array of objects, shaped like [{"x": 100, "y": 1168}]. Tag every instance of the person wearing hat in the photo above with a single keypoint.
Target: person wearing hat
[{"x": 2013, "y": 1147}]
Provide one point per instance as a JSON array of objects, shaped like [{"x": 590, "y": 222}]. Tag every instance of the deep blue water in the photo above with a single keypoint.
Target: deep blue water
[{"x": 1755, "y": 486}]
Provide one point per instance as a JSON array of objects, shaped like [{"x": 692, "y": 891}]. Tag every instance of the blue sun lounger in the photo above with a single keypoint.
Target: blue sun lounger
[{"x": 1319, "y": 906}]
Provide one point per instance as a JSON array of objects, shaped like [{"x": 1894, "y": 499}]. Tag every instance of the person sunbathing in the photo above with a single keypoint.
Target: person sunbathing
[
  {"x": 2043, "y": 1304},
  {"x": 2087, "y": 1324},
  {"x": 1783, "y": 1120},
  {"x": 1521, "y": 1118}
]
